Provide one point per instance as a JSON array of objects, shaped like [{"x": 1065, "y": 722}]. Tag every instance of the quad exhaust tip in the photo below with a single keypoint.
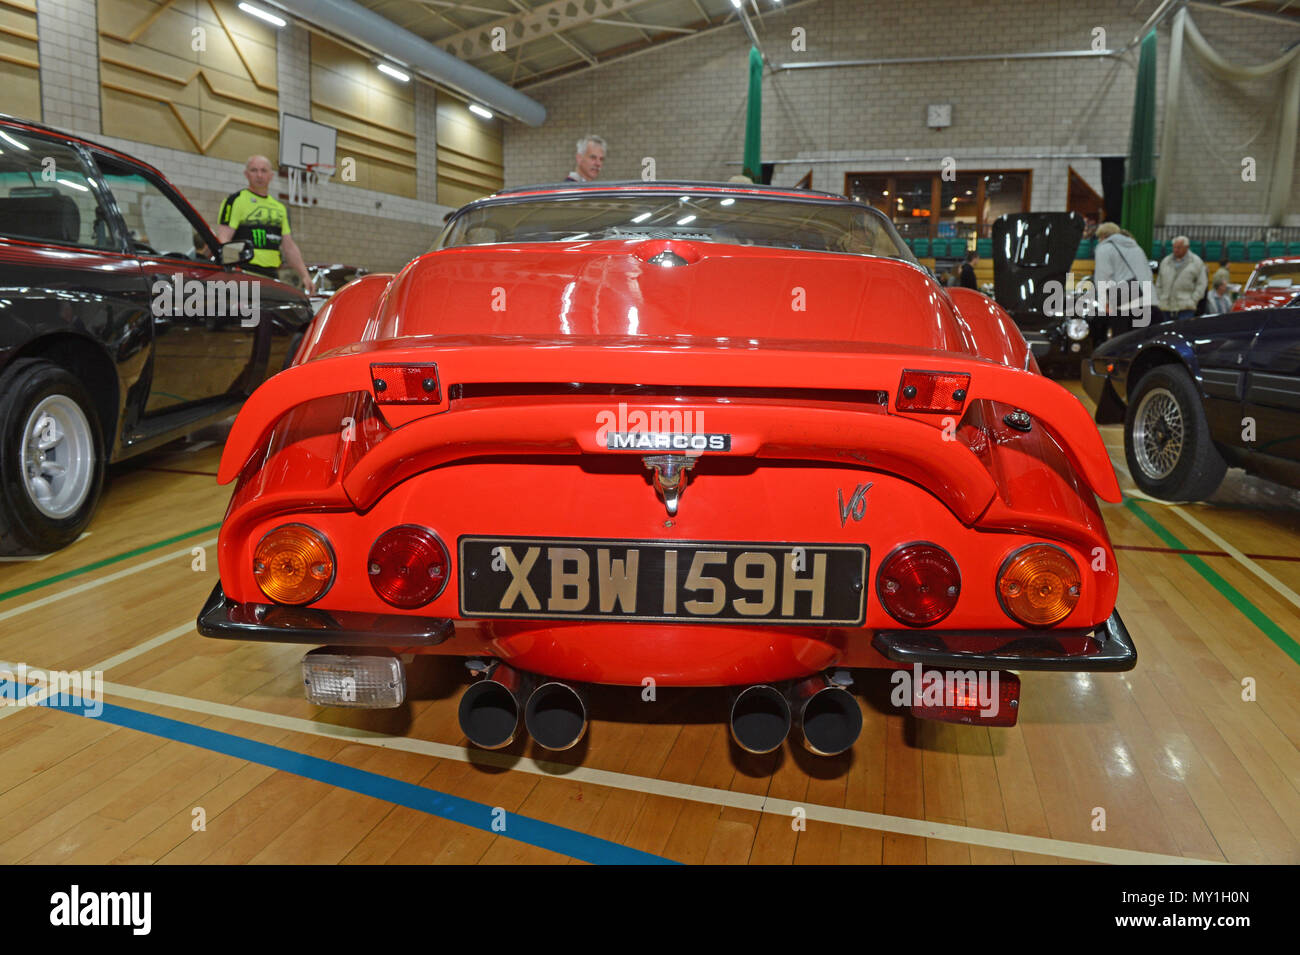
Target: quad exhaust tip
[
  {"x": 760, "y": 718},
  {"x": 489, "y": 709},
  {"x": 828, "y": 715},
  {"x": 556, "y": 715}
]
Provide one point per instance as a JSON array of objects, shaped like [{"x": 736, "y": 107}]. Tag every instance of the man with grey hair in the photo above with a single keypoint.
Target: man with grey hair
[
  {"x": 1181, "y": 282},
  {"x": 589, "y": 158}
]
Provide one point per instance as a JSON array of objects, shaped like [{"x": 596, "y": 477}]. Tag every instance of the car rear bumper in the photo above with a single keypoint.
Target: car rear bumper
[
  {"x": 1107, "y": 647},
  {"x": 225, "y": 619}
]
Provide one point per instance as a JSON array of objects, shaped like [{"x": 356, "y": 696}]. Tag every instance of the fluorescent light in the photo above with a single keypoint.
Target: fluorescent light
[
  {"x": 394, "y": 72},
  {"x": 642, "y": 217},
  {"x": 73, "y": 185},
  {"x": 736, "y": 4},
  {"x": 686, "y": 220},
  {"x": 9, "y": 139},
  {"x": 726, "y": 202},
  {"x": 261, "y": 14},
  {"x": 478, "y": 110}
]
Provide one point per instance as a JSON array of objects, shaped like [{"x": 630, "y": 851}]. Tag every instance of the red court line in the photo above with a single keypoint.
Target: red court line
[
  {"x": 182, "y": 471},
  {"x": 1201, "y": 553}
]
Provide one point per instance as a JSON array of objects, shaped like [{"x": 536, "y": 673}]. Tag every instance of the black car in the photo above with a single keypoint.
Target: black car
[
  {"x": 1199, "y": 395},
  {"x": 1033, "y": 253},
  {"x": 120, "y": 328}
]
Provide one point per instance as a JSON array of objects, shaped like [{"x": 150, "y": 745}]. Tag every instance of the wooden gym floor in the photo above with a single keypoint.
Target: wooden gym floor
[{"x": 206, "y": 751}]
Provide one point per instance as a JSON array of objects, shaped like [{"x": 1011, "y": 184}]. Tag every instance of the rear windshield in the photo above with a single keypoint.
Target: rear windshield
[{"x": 736, "y": 220}]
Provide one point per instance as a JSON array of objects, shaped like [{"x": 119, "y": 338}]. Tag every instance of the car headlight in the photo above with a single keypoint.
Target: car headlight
[{"x": 1077, "y": 329}]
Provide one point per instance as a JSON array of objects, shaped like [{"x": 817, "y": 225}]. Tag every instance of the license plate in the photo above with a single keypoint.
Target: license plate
[{"x": 663, "y": 580}]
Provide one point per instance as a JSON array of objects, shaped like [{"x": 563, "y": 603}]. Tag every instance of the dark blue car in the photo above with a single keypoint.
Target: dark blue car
[{"x": 1201, "y": 395}]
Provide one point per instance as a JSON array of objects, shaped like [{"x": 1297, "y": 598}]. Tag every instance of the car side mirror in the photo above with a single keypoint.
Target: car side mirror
[{"x": 236, "y": 253}]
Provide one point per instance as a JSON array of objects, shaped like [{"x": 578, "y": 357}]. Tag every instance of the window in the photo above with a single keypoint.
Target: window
[
  {"x": 45, "y": 195},
  {"x": 156, "y": 223},
  {"x": 826, "y": 226},
  {"x": 928, "y": 205}
]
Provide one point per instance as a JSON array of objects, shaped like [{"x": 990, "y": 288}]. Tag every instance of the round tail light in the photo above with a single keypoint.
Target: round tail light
[
  {"x": 408, "y": 566},
  {"x": 293, "y": 564},
  {"x": 1039, "y": 585},
  {"x": 918, "y": 584}
]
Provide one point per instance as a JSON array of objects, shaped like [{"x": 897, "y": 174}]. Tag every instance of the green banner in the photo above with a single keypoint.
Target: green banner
[
  {"x": 754, "y": 118},
  {"x": 1138, "y": 215}
]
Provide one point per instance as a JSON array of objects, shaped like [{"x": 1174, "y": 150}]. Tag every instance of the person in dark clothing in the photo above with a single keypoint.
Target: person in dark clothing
[{"x": 968, "y": 271}]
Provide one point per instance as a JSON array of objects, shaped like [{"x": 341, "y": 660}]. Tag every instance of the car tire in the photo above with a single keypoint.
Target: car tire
[
  {"x": 294, "y": 344},
  {"x": 51, "y": 458},
  {"x": 1166, "y": 438}
]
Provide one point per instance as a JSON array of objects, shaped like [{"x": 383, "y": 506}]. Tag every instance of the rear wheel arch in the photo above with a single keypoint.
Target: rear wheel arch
[
  {"x": 87, "y": 361},
  {"x": 1150, "y": 358}
]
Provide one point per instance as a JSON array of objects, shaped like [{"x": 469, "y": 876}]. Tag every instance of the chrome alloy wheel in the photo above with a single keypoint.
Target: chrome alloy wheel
[
  {"x": 1159, "y": 430},
  {"x": 58, "y": 457}
]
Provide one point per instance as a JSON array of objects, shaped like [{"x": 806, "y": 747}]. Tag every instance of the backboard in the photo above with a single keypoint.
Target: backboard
[{"x": 303, "y": 142}]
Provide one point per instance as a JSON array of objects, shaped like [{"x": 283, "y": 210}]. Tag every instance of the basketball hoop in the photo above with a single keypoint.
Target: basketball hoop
[{"x": 303, "y": 182}]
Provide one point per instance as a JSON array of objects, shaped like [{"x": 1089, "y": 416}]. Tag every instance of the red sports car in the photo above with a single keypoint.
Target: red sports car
[
  {"x": 670, "y": 434},
  {"x": 1273, "y": 284}
]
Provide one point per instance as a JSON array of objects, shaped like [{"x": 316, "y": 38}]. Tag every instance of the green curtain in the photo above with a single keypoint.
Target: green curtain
[
  {"x": 1140, "y": 182},
  {"x": 754, "y": 118}
]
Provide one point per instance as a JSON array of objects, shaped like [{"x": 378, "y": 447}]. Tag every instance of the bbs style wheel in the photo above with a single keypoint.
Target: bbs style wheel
[
  {"x": 51, "y": 458},
  {"x": 1167, "y": 440}
]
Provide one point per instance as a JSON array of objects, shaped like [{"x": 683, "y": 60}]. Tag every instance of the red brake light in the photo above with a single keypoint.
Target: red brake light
[
  {"x": 918, "y": 584},
  {"x": 397, "y": 384},
  {"x": 992, "y": 698},
  {"x": 942, "y": 392},
  {"x": 408, "y": 566}
]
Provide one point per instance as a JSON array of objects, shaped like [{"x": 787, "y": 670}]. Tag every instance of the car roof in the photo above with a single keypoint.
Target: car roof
[
  {"x": 1279, "y": 260},
  {"x": 661, "y": 185},
  {"x": 7, "y": 119}
]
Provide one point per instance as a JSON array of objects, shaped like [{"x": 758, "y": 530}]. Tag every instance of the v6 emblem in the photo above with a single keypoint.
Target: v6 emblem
[{"x": 857, "y": 505}]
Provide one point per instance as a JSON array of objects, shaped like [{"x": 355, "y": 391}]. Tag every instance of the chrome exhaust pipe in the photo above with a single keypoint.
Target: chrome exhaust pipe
[
  {"x": 556, "y": 715},
  {"x": 489, "y": 709},
  {"x": 828, "y": 716},
  {"x": 760, "y": 718}
]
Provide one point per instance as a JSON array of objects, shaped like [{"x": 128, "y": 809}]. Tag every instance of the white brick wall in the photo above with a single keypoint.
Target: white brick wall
[
  {"x": 293, "y": 69},
  {"x": 68, "y": 46},
  {"x": 685, "y": 104}
]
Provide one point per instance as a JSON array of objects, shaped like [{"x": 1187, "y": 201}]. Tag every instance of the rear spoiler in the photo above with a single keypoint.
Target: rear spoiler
[{"x": 660, "y": 362}]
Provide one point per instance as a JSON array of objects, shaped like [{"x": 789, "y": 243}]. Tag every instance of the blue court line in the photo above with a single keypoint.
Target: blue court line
[{"x": 568, "y": 842}]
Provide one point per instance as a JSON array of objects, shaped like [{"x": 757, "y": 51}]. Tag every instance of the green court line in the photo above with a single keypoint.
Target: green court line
[
  {"x": 1235, "y": 597},
  {"x": 28, "y": 588}
]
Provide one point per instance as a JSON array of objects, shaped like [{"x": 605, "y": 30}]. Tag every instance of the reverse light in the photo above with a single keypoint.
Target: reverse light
[
  {"x": 401, "y": 384},
  {"x": 918, "y": 584},
  {"x": 293, "y": 564},
  {"x": 408, "y": 566},
  {"x": 933, "y": 391},
  {"x": 374, "y": 680},
  {"x": 1039, "y": 585}
]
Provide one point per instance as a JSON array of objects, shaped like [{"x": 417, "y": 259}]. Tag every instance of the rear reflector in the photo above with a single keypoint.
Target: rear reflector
[
  {"x": 397, "y": 384},
  {"x": 918, "y": 584},
  {"x": 942, "y": 392},
  {"x": 1039, "y": 585},
  {"x": 976, "y": 697},
  {"x": 367, "y": 680}
]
